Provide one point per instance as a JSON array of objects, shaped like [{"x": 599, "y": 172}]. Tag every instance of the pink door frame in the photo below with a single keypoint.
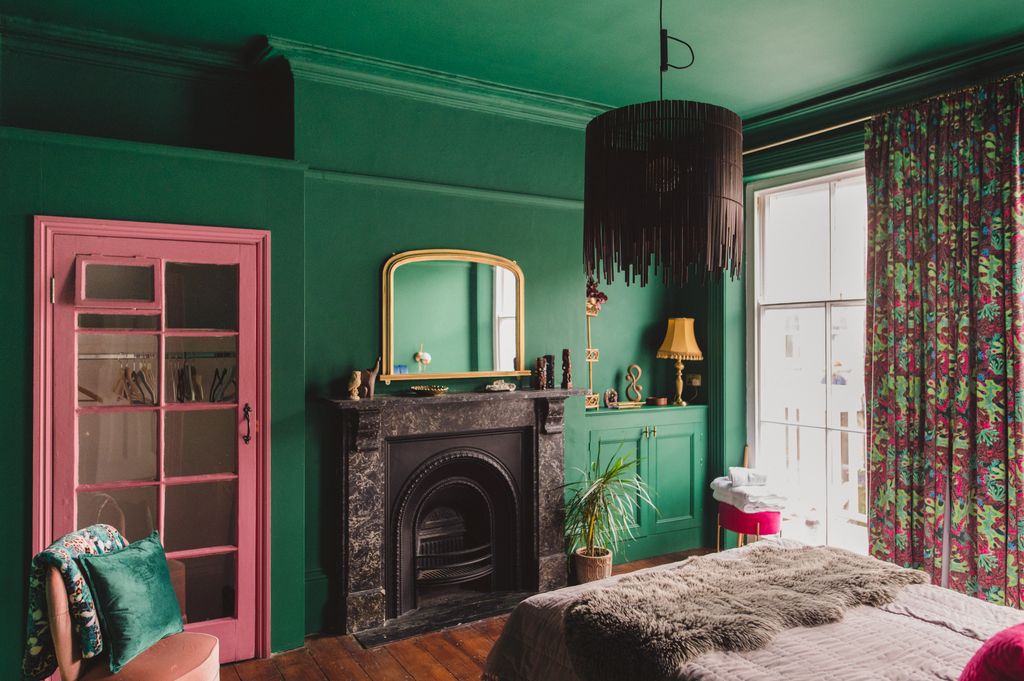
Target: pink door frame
[{"x": 46, "y": 229}]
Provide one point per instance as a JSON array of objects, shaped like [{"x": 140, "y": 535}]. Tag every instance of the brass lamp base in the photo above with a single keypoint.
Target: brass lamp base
[{"x": 679, "y": 402}]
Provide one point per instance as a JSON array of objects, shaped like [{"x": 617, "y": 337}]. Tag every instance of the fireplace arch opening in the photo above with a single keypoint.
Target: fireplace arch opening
[
  {"x": 458, "y": 531},
  {"x": 453, "y": 543}
]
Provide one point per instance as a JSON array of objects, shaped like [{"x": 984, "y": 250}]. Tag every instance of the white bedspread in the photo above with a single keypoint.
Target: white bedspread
[{"x": 926, "y": 634}]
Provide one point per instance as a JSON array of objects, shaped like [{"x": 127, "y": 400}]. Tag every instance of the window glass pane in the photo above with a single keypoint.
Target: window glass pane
[
  {"x": 200, "y": 442},
  {"x": 201, "y": 296},
  {"x": 200, "y": 515},
  {"x": 847, "y": 492},
  {"x": 506, "y": 344},
  {"x": 119, "y": 321},
  {"x": 794, "y": 241},
  {"x": 849, "y": 238},
  {"x": 795, "y": 459},
  {"x": 846, "y": 402},
  {"x": 209, "y": 586},
  {"x": 202, "y": 369},
  {"x": 116, "y": 370},
  {"x": 793, "y": 365},
  {"x": 131, "y": 510},
  {"x": 118, "y": 282},
  {"x": 116, "y": 445},
  {"x": 505, "y": 292}
]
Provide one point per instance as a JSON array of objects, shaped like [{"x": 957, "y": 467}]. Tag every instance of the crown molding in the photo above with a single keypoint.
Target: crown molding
[
  {"x": 872, "y": 97},
  {"x": 118, "y": 146},
  {"x": 93, "y": 46},
  {"x": 459, "y": 191},
  {"x": 336, "y": 67}
]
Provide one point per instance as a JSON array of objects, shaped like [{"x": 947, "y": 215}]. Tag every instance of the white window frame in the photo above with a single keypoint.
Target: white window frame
[
  {"x": 499, "y": 290},
  {"x": 754, "y": 308}
]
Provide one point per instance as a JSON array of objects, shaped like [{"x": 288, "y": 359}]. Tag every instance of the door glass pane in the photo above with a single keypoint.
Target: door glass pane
[
  {"x": 849, "y": 238},
  {"x": 794, "y": 241},
  {"x": 793, "y": 365},
  {"x": 794, "y": 456},
  {"x": 117, "y": 445},
  {"x": 201, "y": 296},
  {"x": 202, "y": 369},
  {"x": 116, "y": 370},
  {"x": 119, "y": 321},
  {"x": 847, "y": 492},
  {"x": 209, "y": 583},
  {"x": 133, "y": 510},
  {"x": 118, "y": 282},
  {"x": 846, "y": 403},
  {"x": 200, "y": 515},
  {"x": 200, "y": 442}
]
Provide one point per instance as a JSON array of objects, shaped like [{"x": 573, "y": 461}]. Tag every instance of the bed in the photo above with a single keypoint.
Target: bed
[{"x": 927, "y": 633}]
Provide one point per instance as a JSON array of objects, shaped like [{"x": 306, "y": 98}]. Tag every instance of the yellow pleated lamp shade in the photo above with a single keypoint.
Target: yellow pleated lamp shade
[{"x": 680, "y": 341}]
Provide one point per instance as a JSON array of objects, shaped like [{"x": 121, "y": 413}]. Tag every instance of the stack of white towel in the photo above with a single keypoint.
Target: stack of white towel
[{"x": 747, "y": 489}]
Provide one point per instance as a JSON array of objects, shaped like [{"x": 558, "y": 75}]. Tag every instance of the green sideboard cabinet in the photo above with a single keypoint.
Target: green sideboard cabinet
[{"x": 673, "y": 459}]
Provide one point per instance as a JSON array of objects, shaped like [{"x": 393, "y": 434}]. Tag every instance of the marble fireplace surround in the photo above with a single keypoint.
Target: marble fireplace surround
[{"x": 368, "y": 425}]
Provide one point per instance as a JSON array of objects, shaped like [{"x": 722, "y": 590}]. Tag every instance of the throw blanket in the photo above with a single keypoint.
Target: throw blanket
[
  {"x": 644, "y": 627},
  {"x": 39, "y": 661}
]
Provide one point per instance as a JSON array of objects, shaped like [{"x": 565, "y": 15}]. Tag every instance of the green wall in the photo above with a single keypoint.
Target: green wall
[
  {"x": 375, "y": 174},
  {"x": 63, "y": 175},
  {"x": 390, "y": 173}
]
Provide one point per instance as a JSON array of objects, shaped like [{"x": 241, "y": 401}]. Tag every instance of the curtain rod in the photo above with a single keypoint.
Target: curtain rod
[
  {"x": 814, "y": 133},
  {"x": 864, "y": 119}
]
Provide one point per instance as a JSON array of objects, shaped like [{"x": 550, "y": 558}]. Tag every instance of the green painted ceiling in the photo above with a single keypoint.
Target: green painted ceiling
[{"x": 753, "y": 56}]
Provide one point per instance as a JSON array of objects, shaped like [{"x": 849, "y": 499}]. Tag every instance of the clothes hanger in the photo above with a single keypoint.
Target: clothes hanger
[
  {"x": 149, "y": 381},
  {"x": 217, "y": 384},
  {"x": 197, "y": 384},
  {"x": 232, "y": 384},
  {"x": 90, "y": 394},
  {"x": 145, "y": 391}
]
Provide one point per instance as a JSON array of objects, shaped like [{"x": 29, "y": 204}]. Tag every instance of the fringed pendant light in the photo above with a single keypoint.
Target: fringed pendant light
[{"x": 664, "y": 186}]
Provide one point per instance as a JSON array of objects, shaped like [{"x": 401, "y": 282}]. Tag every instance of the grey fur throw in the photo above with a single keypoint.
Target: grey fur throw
[{"x": 645, "y": 626}]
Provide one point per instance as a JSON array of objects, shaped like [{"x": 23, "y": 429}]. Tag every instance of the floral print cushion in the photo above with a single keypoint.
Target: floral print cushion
[{"x": 40, "y": 661}]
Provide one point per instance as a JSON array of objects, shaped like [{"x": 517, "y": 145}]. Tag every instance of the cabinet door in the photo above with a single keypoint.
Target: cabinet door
[
  {"x": 609, "y": 444},
  {"x": 677, "y": 472}
]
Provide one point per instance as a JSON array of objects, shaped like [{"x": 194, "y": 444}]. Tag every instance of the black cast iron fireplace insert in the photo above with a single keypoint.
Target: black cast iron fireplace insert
[{"x": 458, "y": 528}]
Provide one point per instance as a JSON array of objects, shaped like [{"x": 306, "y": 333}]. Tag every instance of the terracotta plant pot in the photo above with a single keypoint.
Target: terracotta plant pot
[{"x": 593, "y": 568}]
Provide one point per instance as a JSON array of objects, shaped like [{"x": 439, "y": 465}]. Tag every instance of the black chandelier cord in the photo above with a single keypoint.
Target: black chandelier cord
[{"x": 665, "y": 37}]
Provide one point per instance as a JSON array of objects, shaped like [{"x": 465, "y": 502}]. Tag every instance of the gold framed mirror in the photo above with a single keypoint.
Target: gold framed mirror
[{"x": 451, "y": 313}]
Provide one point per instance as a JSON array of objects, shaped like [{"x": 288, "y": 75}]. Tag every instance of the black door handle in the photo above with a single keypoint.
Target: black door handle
[{"x": 246, "y": 410}]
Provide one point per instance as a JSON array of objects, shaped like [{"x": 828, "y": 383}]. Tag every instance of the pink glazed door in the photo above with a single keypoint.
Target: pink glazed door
[{"x": 156, "y": 411}]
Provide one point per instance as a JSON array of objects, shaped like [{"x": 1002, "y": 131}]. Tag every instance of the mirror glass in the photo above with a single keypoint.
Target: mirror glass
[{"x": 453, "y": 316}]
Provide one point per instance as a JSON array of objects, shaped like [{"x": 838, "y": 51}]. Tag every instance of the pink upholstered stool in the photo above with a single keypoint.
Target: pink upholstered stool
[{"x": 757, "y": 524}]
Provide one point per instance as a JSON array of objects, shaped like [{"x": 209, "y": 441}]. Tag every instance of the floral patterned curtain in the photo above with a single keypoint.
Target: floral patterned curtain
[{"x": 945, "y": 338}]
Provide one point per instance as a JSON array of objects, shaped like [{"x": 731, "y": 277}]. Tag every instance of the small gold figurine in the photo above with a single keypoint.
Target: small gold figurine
[{"x": 353, "y": 385}]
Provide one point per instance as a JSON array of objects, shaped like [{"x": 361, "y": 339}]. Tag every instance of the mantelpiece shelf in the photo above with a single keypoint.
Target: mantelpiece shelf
[
  {"x": 456, "y": 397},
  {"x": 694, "y": 408}
]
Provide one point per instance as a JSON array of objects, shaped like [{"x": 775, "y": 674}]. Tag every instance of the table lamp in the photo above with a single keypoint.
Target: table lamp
[{"x": 679, "y": 344}]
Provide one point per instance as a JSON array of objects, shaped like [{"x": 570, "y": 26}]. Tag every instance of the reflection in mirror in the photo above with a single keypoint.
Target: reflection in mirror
[{"x": 454, "y": 316}]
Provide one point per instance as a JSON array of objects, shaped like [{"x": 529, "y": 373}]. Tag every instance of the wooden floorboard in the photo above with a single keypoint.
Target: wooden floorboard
[
  {"x": 418, "y": 662},
  {"x": 456, "y": 654},
  {"x": 458, "y": 663},
  {"x": 258, "y": 670},
  {"x": 334, "y": 659},
  {"x": 229, "y": 673},
  {"x": 298, "y": 665}
]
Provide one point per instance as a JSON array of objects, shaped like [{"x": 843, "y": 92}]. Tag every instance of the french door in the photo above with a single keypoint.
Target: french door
[{"x": 156, "y": 409}]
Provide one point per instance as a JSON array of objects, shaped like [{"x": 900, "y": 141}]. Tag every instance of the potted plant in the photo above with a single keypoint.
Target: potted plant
[{"x": 599, "y": 515}]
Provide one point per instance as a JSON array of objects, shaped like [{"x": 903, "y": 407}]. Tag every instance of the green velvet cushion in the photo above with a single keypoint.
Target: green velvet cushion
[{"x": 133, "y": 593}]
